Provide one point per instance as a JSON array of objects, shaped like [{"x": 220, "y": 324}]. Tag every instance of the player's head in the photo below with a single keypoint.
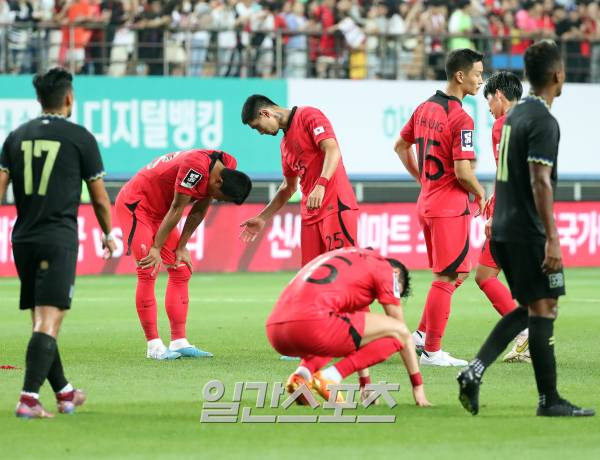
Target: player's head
[
  {"x": 258, "y": 113},
  {"x": 544, "y": 66},
  {"x": 230, "y": 185},
  {"x": 403, "y": 276},
  {"x": 502, "y": 90},
  {"x": 464, "y": 67},
  {"x": 54, "y": 90}
]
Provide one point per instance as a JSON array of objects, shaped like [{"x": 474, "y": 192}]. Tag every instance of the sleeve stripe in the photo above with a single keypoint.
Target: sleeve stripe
[
  {"x": 97, "y": 176},
  {"x": 543, "y": 161}
]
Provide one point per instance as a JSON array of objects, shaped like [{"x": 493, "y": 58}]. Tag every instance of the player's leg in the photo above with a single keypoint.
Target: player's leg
[
  {"x": 419, "y": 335},
  {"x": 177, "y": 300},
  {"x": 448, "y": 248}
]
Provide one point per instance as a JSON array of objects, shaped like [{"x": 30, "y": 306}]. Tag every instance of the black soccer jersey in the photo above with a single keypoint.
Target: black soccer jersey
[
  {"x": 47, "y": 158},
  {"x": 530, "y": 134}
]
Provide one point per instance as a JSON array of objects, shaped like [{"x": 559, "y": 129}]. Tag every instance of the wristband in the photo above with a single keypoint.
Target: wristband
[
  {"x": 416, "y": 379},
  {"x": 323, "y": 181}
]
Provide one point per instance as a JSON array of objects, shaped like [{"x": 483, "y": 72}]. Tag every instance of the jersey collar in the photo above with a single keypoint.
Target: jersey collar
[
  {"x": 52, "y": 115},
  {"x": 290, "y": 118},
  {"x": 532, "y": 96},
  {"x": 450, "y": 98}
]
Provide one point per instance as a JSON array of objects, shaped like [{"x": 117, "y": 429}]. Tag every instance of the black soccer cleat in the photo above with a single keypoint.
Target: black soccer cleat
[
  {"x": 468, "y": 389},
  {"x": 564, "y": 409}
]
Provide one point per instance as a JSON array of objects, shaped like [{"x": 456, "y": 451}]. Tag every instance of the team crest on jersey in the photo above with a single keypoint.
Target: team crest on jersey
[
  {"x": 466, "y": 140},
  {"x": 191, "y": 179},
  {"x": 556, "y": 280},
  {"x": 318, "y": 130}
]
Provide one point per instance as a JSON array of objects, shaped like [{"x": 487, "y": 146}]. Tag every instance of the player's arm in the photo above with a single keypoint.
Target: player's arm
[
  {"x": 169, "y": 222},
  {"x": 465, "y": 174},
  {"x": 252, "y": 227},
  {"x": 332, "y": 154},
  {"x": 406, "y": 154},
  {"x": 409, "y": 357},
  {"x": 101, "y": 205},
  {"x": 543, "y": 195},
  {"x": 4, "y": 180},
  {"x": 194, "y": 218}
]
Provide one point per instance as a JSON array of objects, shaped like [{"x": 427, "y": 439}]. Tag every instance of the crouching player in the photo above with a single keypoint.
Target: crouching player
[{"x": 321, "y": 314}]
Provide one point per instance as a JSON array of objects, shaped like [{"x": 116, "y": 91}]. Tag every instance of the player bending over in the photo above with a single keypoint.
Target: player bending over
[
  {"x": 149, "y": 207},
  {"x": 321, "y": 314}
]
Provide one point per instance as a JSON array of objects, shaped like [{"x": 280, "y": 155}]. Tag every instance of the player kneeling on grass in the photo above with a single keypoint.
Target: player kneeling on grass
[
  {"x": 149, "y": 207},
  {"x": 319, "y": 315}
]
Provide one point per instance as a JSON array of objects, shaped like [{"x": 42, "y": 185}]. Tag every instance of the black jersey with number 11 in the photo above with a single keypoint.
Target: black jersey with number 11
[
  {"x": 47, "y": 158},
  {"x": 530, "y": 135}
]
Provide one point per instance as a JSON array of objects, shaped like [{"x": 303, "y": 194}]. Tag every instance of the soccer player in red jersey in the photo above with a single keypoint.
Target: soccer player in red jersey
[
  {"x": 309, "y": 152},
  {"x": 149, "y": 207},
  {"x": 502, "y": 91},
  {"x": 321, "y": 313},
  {"x": 443, "y": 133}
]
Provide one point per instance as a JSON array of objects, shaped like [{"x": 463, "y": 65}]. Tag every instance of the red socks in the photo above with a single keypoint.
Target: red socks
[
  {"x": 177, "y": 299},
  {"x": 437, "y": 310},
  {"x": 498, "y": 294},
  {"x": 367, "y": 356},
  {"x": 314, "y": 363},
  {"x": 145, "y": 303}
]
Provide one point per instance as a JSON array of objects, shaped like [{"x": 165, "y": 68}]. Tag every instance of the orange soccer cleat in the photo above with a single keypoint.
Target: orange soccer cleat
[
  {"x": 320, "y": 384},
  {"x": 294, "y": 382}
]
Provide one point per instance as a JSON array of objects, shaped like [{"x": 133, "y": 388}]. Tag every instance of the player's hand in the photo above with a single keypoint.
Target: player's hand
[
  {"x": 109, "y": 246},
  {"x": 183, "y": 255},
  {"x": 419, "y": 395},
  {"x": 315, "y": 199},
  {"x": 488, "y": 228},
  {"x": 487, "y": 210},
  {"x": 152, "y": 259},
  {"x": 481, "y": 204},
  {"x": 251, "y": 228},
  {"x": 553, "y": 256}
]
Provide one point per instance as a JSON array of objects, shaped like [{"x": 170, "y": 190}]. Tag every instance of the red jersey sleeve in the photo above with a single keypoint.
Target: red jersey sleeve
[
  {"x": 192, "y": 177},
  {"x": 229, "y": 161},
  {"x": 408, "y": 133},
  {"x": 286, "y": 169},
  {"x": 463, "y": 142},
  {"x": 496, "y": 134},
  {"x": 317, "y": 125},
  {"x": 386, "y": 286}
]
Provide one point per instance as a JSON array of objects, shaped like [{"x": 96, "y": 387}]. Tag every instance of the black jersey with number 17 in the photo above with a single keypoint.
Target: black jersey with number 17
[
  {"x": 530, "y": 135},
  {"x": 47, "y": 158}
]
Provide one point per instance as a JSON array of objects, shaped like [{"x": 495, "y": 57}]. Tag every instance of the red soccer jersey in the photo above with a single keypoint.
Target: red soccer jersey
[
  {"x": 443, "y": 132},
  {"x": 186, "y": 172},
  {"x": 302, "y": 157},
  {"x": 496, "y": 135},
  {"x": 340, "y": 281}
]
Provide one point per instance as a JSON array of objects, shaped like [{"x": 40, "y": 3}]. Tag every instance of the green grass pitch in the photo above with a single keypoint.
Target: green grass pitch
[{"x": 143, "y": 409}]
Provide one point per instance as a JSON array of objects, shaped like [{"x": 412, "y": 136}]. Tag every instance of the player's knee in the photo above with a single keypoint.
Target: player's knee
[
  {"x": 480, "y": 278},
  {"x": 145, "y": 274},
  {"x": 179, "y": 275}
]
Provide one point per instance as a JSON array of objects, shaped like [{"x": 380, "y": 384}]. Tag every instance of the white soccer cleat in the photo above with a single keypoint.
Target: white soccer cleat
[
  {"x": 161, "y": 352},
  {"x": 419, "y": 340},
  {"x": 520, "y": 350},
  {"x": 441, "y": 358}
]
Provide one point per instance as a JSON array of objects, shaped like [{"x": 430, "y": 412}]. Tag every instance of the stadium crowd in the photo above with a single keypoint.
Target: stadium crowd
[{"x": 294, "y": 38}]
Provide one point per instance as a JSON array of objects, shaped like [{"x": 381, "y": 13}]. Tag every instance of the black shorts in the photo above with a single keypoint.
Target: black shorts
[
  {"x": 522, "y": 266},
  {"x": 47, "y": 274}
]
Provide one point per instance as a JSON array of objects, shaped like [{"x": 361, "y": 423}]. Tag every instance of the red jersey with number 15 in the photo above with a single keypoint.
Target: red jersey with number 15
[
  {"x": 341, "y": 281},
  {"x": 302, "y": 157},
  {"x": 443, "y": 133},
  {"x": 186, "y": 172}
]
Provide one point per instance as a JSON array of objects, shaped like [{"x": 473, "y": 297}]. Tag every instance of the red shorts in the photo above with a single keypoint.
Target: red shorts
[
  {"x": 139, "y": 229},
  {"x": 486, "y": 258},
  {"x": 334, "y": 231},
  {"x": 447, "y": 241},
  {"x": 335, "y": 335}
]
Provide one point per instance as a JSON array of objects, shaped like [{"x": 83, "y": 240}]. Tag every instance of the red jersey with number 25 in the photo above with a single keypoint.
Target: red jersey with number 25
[
  {"x": 302, "y": 157},
  {"x": 186, "y": 172},
  {"x": 496, "y": 135},
  {"x": 443, "y": 133},
  {"x": 340, "y": 281}
]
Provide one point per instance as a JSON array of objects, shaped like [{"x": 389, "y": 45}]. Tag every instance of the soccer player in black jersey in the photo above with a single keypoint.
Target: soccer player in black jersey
[
  {"x": 525, "y": 240},
  {"x": 46, "y": 160}
]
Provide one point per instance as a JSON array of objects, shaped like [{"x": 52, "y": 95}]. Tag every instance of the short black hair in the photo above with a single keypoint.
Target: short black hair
[
  {"x": 507, "y": 82},
  {"x": 236, "y": 185},
  {"x": 462, "y": 59},
  {"x": 253, "y": 105},
  {"x": 542, "y": 59},
  {"x": 405, "y": 275},
  {"x": 52, "y": 87}
]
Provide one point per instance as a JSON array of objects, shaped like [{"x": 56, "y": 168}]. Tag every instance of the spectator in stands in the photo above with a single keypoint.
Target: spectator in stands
[
  {"x": 327, "y": 54},
  {"x": 570, "y": 32},
  {"x": 20, "y": 53},
  {"x": 123, "y": 43},
  {"x": 297, "y": 45},
  {"x": 6, "y": 17},
  {"x": 151, "y": 23},
  {"x": 224, "y": 20},
  {"x": 460, "y": 24},
  {"x": 262, "y": 26},
  {"x": 200, "y": 21}
]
